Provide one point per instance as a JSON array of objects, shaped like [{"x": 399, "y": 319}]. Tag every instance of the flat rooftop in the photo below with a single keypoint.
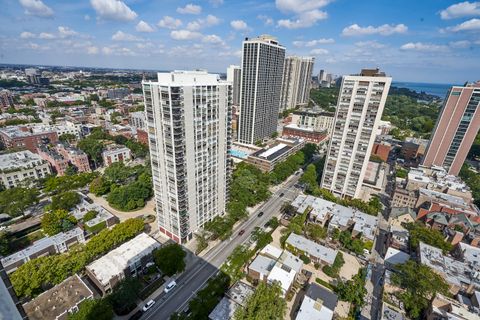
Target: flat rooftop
[
  {"x": 115, "y": 262},
  {"x": 314, "y": 249},
  {"x": 18, "y": 160},
  {"x": 58, "y": 300}
]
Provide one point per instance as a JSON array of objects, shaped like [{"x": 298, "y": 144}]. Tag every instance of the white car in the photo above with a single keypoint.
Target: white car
[
  {"x": 170, "y": 287},
  {"x": 148, "y": 305}
]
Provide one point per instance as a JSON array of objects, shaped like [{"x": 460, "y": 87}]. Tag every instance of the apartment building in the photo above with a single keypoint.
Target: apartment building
[
  {"x": 456, "y": 128},
  {"x": 296, "y": 81},
  {"x": 23, "y": 137},
  {"x": 138, "y": 120},
  {"x": 314, "y": 118},
  {"x": 116, "y": 153},
  {"x": 262, "y": 69},
  {"x": 359, "y": 109},
  {"x": 234, "y": 75},
  {"x": 125, "y": 261},
  {"x": 6, "y": 99},
  {"x": 18, "y": 167},
  {"x": 74, "y": 156},
  {"x": 267, "y": 158},
  {"x": 189, "y": 117}
]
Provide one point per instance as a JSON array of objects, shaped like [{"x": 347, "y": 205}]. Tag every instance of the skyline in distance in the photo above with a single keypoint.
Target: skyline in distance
[{"x": 431, "y": 41}]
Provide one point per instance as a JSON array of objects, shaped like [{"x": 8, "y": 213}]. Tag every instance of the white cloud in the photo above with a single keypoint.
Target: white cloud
[
  {"x": 122, "y": 36},
  {"x": 86, "y": 17},
  {"x": 65, "y": 32},
  {"x": 266, "y": 19},
  {"x": 425, "y": 47},
  {"x": 107, "y": 50},
  {"x": 198, "y": 24},
  {"x": 46, "y": 36},
  {"x": 319, "y": 52},
  {"x": 306, "y": 12},
  {"x": 239, "y": 25},
  {"x": 184, "y": 35},
  {"x": 461, "y": 44},
  {"x": 470, "y": 25},
  {"x": 92, "y": 50},
  {"x": 27, "y": 35},
  {"x": 384, "y": 30},
  {"x": 190, "y": 9},
  {"x": 370, "y": 44},
  {"x": 36, "y": 46},
  {"x": 462, "y": 9},
  {"x": 216, "y": 3},
  {"x": 142, "y": 26},
  {"x": 213, "y": 39},
  {"x": 36, "y": 8},
  {"x": 169, "y": 23},
  {"x": 113, "y": 10},
  {"x": 312, "y": 43}
]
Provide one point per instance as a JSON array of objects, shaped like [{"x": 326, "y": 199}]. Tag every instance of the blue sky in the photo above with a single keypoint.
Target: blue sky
[{"x": 423, "y": 40}]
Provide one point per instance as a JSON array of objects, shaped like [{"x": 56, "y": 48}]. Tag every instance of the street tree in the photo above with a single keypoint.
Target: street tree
[
  {"x": 265, "y": 303},
  {"x": 15, "y": 201},
  {"x": 170, "y": 259}
]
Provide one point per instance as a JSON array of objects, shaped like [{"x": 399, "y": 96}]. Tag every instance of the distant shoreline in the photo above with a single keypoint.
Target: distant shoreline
[{"x": 436, "y": 89}]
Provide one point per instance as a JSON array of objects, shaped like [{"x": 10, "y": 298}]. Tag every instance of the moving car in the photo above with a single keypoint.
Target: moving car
[
  {"x": 260, "y": 214},
  {"x": 148, "y": 305},
  {"x": 281, "y": 194},
  {"x": 170, "y": 287},
  {"x": 241, "y": 232}
]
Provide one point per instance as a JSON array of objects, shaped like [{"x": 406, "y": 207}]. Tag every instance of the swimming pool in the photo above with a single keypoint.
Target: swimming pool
[{"x": 238, "y": 153}]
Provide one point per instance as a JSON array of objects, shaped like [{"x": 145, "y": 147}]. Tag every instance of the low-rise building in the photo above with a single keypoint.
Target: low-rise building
[
  {"x": 293, "y": 131},
  {"x": 394, "y": 256},
  {"x": 23, "y": 137},
  {"x": 235, "y": 297},
  {"x": 318, "y": 303},
  {"x": 124, "y": 261},
  {"x": 58, "y": 243},
  {"x": 116, "y": 153},
  {"x": 75, "y": 156},
  {"x": 21, "y": 167},
  {"x": 389, "y": 312},
  {"x": 444, "y": 308},
  {"x": 58, "y": 163},
  {"x": 285, "y": 271},
  {"x": 59, "y": 301},
  {"x": 260, "y": 268},
  {"x": 314, "y": 118},
  {"x": 266, "y": 158},
  {"x": 460, "y": 275},
  {"x": 381, "y": 150},
  {"x": 316, "y": 252},
  {"x": 103, "y": 218}
]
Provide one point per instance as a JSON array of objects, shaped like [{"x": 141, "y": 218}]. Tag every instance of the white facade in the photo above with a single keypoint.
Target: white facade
[
  {"x": 262, "y": 69},
  {"x": 297, "y": 78},
  {"x": 317, "y": 120},
  {"x": 116, "y": 154},
  {"x": 138, "y": 120},
  {"x": 234, "y": 75},
  {"x": 188, "y": 117},
  {"x": 20, "y": 166},
  {"x": 359, "y": 109}
]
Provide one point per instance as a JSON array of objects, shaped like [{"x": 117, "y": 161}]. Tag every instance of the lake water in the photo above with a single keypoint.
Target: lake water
[{"x": 436, "y": 89}]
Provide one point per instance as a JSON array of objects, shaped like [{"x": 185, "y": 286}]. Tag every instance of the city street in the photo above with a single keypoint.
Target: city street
[{"x": 193, "y": 279}]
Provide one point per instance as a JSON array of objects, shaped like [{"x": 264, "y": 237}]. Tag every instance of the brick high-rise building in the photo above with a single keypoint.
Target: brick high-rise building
[{"x": 456, "y": 128}]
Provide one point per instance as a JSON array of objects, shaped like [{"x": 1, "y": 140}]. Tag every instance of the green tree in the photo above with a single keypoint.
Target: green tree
[
  {"x": 93, "y": 309},
  {"x": 207, "y": 298},
  {"x": 100, "y": 186},
  {"x": 309, "y": 177},
  {"x": 67, "y": 137},
  {"x": 170, "y": 259},
  {"x": 265, "y": 303},
  {"x": 315, "y": 232},
  {"x": 353, "y": 290},
  {"x": 66, "y": 201},
  {"x": 15, "y": 201},
  {"x": 421, "y": 284},
  {"x": 334, "y": 269},
  {"x": 124, "y": 295},
  {"x": 93, "y": 148},
  {"x": 57, "y": 221},
  {"x": 90, "y": 215},
  {"x": 420, "y": 233},
  {"x": 4, "y": 244}
]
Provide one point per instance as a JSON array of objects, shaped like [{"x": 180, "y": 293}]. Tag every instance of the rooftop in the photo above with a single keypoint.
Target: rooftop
[
  {"x": 187, "y": 78},
  {"x": 83, "y": 207},
  {"x": 390, "y": 313},
  {"x": 271, "y": 251},
  {"x": 319, "y": 303},
  {"x": 115, "y": 262},
  {"x": 20, "y": 160},
  {"x": 394, "y": 256},
  {"x": 262, "y": 265},
  {"x": 314, "y": 249},
  {"x": 58, "y": 300}
]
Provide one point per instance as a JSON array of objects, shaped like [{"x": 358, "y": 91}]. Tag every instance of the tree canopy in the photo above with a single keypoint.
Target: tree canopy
[
  {"x": 15, "y": 201},
  {"x": 57, "y": 221},
  {"x": 421, "y": 284},
  {"x": 93, "y": 309},
  {"x": 265, "y": 303},
  {"x": 170, "y": 259},
  {"x": 64, "y": 201},
  {"x": 419, "y": 232}
]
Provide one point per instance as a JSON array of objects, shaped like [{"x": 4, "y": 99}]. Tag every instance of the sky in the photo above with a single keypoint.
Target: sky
[{"x": 434, "y": 41}]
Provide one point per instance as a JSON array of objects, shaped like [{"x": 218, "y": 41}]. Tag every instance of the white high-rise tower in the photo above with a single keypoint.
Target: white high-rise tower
[
  {"x": 359, "y": 110},
  {"x": 262, "y": 68},
  {"x": 189, "y": 131}
]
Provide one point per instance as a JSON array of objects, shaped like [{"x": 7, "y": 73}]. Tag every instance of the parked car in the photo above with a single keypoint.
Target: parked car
[
  {"x": 241, "y": 232},
  {"x": 170, "y": 287},
  {"x": 137, "y": 315},
  {"x": 148, "y": 305},
  {"x": 281, "y": 194},
  {"x": 260, "y": 214}
]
